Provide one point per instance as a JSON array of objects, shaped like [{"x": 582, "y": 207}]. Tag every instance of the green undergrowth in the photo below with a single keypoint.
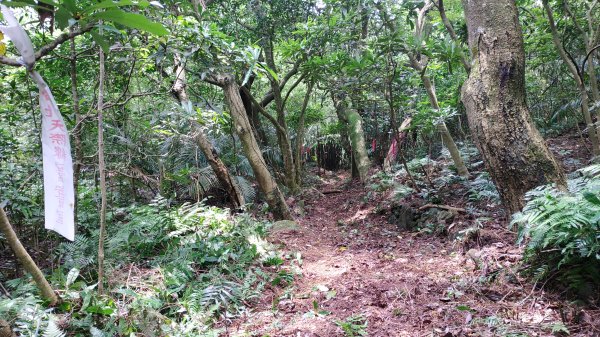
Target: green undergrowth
[
  {"x": 171, "y": 271},
  {"x": 560, "y": 231}
]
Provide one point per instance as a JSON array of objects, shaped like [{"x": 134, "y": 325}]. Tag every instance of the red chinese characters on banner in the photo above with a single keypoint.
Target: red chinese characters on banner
[
  {"x": 57, "y": 124},
  {"x": 58, "y": 171},
  {"x": 59, "y": 197}
]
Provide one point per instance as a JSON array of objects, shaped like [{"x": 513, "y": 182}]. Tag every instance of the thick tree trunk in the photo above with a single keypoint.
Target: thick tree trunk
[
  {"x": 210, "y": 153},
  {"x": 353, "y": 122},
  {"x": 513, "y": 150},
  {"x": 25, "y": 259},
  {"x": 266, "y": 183}
]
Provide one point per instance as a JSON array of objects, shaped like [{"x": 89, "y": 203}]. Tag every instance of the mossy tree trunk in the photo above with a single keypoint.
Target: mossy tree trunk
[
  {"x": 514, "y": 152},
  {"x": 353, "y": 123}
]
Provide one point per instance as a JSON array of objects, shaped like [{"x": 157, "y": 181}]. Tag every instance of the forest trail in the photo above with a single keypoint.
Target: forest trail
[{"x": 402, "y": 283}]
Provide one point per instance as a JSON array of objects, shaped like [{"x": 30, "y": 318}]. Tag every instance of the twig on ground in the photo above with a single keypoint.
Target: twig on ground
[{"x": 446, "y": 207}]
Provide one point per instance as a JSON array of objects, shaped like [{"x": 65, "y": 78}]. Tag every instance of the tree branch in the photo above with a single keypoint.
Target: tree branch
[
  {"x": 269, "y": 97},
  {"x": 271, "y": 119},
  {"x": 48, "y": 48},
  {"x": 292, "y": 88}
]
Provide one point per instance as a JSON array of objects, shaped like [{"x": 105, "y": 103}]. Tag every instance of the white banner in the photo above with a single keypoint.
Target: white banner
[{"x": 59, "y": 197}]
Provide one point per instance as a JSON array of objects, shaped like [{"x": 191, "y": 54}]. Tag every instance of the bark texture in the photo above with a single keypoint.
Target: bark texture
[
  {"x": 102, "y": 172},
  {"x": 25, "y": 259},
  {"x": 265, "y": 180},
  {"x": 514, "y": 152},
  {"x": 221, "y": 171},
  {"x": 210, "y": 153}
]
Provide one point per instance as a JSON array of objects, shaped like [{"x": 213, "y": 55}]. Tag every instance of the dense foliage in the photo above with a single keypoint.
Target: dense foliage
[
  {"x": 174, "y": 270},
  {"x": 215, "y": 114}
]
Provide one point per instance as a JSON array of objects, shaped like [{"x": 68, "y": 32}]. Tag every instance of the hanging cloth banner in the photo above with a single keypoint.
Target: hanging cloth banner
[{"x": 59, "y": 197}]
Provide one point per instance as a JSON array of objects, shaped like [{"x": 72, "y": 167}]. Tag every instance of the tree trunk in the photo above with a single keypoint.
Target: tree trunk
[
  {"x": 283, "y": 138},
  {"x": 25, "y": 259},
  {"x": 353, "y": 122},
  {"x": 441, "y": 126},
  {"x": 221, "y": 171},
  {"x": 578, "y": 80},
  {"x": 210, "y": 153},
  {"x": 266, "y": 183},
  {"x": 77, "y": 131},
  {"x": 300, "y": 134},
  {"x": 514, "y": 152},
  {"x": 102, "y": 172},
  {"x": 463, "y": 58}
]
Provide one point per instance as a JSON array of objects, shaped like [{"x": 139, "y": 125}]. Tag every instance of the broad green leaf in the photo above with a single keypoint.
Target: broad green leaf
[
  {"x": 72, "y": 276},
  {"x": 132, "y": 20},
  {"x": 100, "y": 41},
  {"x": 109, "y": 4},
  {"x": 591, "y": 198},
  {"x": 70, "y": 6},
  {"x": 62, "y": 16},
  {"x": 270, "y": 71}
]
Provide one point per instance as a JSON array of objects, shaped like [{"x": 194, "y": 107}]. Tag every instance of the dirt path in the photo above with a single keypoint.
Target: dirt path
[
  {"x": 350, "y": 262},
  {"x": 401, "y": 283}
]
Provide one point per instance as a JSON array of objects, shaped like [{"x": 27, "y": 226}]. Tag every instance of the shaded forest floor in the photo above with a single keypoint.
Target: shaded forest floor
[{"x": 354, "y": 267}]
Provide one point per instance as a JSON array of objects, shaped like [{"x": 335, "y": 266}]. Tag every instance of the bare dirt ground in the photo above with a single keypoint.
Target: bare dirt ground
[{"x": 356, "y": 266}]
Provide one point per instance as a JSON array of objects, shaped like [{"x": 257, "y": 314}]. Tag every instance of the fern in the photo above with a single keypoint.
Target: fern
[
  {"x": 80, "y": 253},
  {"x": 561, "y": 231},
  {"x": 52, "y": 329}
]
